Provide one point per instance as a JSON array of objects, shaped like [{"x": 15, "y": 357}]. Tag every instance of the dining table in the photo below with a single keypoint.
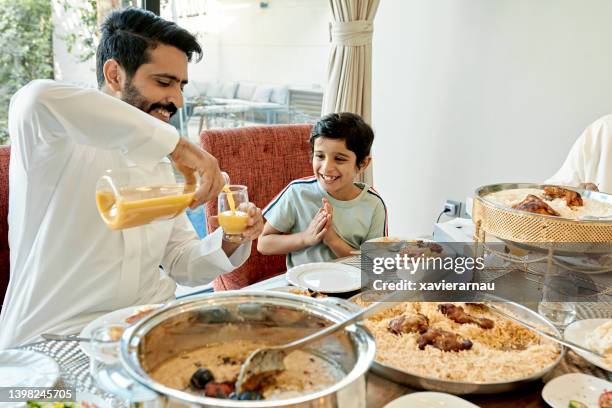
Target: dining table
[{"x": 74, "y": 363}]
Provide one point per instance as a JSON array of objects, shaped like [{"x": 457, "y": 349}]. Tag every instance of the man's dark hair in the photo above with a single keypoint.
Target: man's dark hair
[
  {"x": 350, "y": 127},
  {"x": 129, "y": 34}
]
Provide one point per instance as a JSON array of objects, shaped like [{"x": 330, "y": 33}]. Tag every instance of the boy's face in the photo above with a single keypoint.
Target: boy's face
[
  {"x": 335, "y": 166},
  {"x": 157, "y": 86}
]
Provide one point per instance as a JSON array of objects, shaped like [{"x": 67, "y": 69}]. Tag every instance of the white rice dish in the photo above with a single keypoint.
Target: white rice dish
[
  {"x": 506, "y": 352},
  {"x": 305, "y": 374},
  {"x": 591, "y": 208}
]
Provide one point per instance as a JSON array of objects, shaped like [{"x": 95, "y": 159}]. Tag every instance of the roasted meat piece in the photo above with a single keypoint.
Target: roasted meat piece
[
  {"x": 534, "y": 204},
  {"x": 572, "y": 198},
  {"x": 416, "y": 323},
  {"x": 443, "y": 340},
  {"x": 458, "y": 315},
  {"x": 219, "y": 389}
]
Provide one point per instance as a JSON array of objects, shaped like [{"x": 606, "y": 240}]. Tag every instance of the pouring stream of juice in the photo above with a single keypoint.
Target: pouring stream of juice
[{"x": 230, "y": 198}]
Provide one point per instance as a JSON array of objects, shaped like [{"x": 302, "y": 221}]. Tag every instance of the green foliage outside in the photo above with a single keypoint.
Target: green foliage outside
[
  {"x": 26, "y": 32},
  {"x": 87, "y": 41}
]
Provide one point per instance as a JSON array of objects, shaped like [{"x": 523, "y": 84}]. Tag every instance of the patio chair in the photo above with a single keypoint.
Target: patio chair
[
  {"x": 265, "y": 159},
  {"x": 5, "y": 154}
]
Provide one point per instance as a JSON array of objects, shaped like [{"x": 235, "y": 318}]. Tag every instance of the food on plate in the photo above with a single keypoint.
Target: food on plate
[
  {"x": 416, "y": 323},
  {"x": 142, "y": 312},
  {"x": 605, "y": 399},
  {"x": 536, "y": 205},
  {"x": 572, "y": 198},
  {"x": 576, "y": 404},
  {"x": 600, "y": 340},
  {"x": 421, "y": 248},
  {"x": 563, "y": 201},
  {"x": 307, "y": 292},
  {"x": 115, "y": 332},
  {"x": 504, "y": 352},
  {"x": 213, "y": 371},
  {"x": 457, "y": 314},
  {"x": 443, "y": 340}
]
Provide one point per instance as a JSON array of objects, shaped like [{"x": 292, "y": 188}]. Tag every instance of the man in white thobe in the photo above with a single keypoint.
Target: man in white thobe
[
  {"x": 589, "y": 162},
  {"x": 67, "y": 266}
]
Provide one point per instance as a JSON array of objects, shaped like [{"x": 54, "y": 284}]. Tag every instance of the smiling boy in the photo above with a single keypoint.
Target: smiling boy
[{"x": 328, "y": 215}]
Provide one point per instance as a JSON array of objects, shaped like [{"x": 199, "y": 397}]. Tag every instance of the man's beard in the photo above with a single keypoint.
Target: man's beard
[{"x": 132, "y": 96}]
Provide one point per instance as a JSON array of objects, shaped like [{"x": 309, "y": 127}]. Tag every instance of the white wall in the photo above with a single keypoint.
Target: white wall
[
  {"x": 66, "y": 66},
  {"x": 286, "y": 43},
  {"x": 473, "y": 92}
]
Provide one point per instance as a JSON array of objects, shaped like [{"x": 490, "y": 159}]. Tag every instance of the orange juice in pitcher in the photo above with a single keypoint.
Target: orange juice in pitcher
[{"x": 125, "y": 200}]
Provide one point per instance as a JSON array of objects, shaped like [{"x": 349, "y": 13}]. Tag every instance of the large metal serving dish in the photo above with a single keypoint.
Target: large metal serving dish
[
  {"x": 542, "y": 232},
  {"x": 249, "y": 315},
  {"x": 460, "y": 387}
]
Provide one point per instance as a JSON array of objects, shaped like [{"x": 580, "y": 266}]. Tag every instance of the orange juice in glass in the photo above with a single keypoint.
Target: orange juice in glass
[{"x": 231, "y": 201}]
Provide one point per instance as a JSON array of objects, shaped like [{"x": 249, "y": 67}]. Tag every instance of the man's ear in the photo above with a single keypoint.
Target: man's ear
[
  {"x": 114, "y": 76},
  {"x": 365, "y": 163}
]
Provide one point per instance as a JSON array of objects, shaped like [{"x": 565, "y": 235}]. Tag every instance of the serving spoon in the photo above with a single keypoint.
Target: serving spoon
[
  {"x": 268, "y": 361},
  {"x": 71, "y": 337},
  {"x": 541, "y": 332}
]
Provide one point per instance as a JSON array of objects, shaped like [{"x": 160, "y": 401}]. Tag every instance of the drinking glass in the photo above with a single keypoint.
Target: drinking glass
[
  {"x": 107, "y": 371},
  {"x": 233, "y": 218},
  {"x": 556, "y": 305}
]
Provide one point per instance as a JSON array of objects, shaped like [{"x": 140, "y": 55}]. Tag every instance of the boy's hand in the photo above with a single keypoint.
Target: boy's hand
[
  {"x": 316, "y": 229},
  {"x": 330, "y": 234}
]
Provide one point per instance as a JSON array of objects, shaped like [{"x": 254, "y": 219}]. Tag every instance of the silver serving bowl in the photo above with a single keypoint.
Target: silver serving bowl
[
  {"x": 462, "y": 387},
  {"x": 212, "y": 319}
]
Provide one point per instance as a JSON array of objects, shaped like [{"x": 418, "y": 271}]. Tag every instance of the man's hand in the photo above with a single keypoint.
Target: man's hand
[
  {"x": 190, "y": 159},
  {"x": 316, "y": 229},
  {"x": 588, "y": 186},
  {"x": 255, "y": 223}
]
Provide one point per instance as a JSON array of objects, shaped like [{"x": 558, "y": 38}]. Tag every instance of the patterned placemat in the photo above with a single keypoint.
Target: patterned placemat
[{"x": 74, "y": 367}]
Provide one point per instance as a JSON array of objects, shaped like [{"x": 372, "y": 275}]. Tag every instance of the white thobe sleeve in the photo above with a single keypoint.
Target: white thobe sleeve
[
  {"x": 89, "y": 117},
  {"x": 588, "y": 160},
  {"x": 191, "y": 261}
]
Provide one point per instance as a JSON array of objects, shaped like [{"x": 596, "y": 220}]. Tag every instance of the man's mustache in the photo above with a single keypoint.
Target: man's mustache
[{"x": 169, "y": 107}]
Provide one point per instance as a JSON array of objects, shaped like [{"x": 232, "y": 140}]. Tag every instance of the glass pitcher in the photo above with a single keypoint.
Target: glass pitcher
[{"x": 133, "y": 196}]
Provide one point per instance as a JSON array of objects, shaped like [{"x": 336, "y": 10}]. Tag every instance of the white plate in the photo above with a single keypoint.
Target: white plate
[
  {"x": 430, "y": 400},
  {"x": 576, "y": 386},
  {"x": 327, "y": 277},
  {"x": 116, "y": 317},
  {"x": 25, "y": 368},
  {"x": 577, "y": 333}
]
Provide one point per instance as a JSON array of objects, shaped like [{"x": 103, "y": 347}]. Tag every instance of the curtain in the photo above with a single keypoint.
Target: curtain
[{"x": 349, "y": 86}]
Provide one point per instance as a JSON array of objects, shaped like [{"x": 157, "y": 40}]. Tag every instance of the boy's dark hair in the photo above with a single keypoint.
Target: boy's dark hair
[
  {"x": 129, "y": 34},
  {"x": 350, "y": 127}
]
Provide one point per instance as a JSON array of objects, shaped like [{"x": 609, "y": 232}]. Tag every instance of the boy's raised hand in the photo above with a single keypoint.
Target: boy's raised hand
[
  {"x": 330, "y": 233},
  {"x": 316, "y": 229}
]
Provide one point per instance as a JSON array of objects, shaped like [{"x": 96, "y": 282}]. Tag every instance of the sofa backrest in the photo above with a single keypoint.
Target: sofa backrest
[{"x": 265, "y": 159}]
